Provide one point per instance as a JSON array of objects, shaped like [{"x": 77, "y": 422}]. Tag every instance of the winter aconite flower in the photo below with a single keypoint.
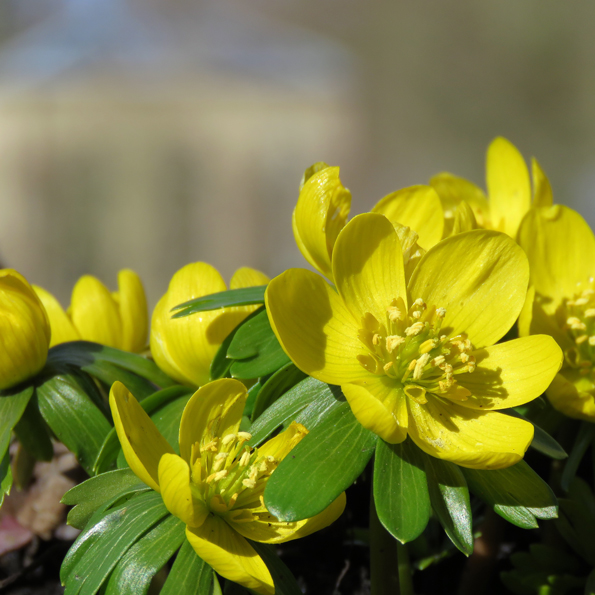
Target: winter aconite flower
[
  {"x": 323, "y": 208},
  {"x": 509, "y": 190},
  {"x": 117, "y": 319},
  {"x": 418, "y": 358},
  {"x": 561, "y": 250},
  {"x": 184, "y": 347},
  {"x": 24, "y": 330},
  {"x": 216, "y": 485}
]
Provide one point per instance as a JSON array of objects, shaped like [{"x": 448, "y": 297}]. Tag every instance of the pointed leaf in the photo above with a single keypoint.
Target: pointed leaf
[
  {"x": 450, "y": 500},
  {"x": 97, "y": 551},
  {"x": 256, "y": 349},
  {"x": 85, "y": 353},
  {"x": 517, "y": 494},
  {"x": 90, "y": 495},
  {"x": 138, "y": 566},
  {"x": 189, "y": 574},
  {"x": 73, "y": 418},
  {"x": 5, "y": 476},
  {"x": 12, "y": 407},
  {"x": 278, "y": 384},
  {"x": 401, "y": 489},
  {"x": 542, "y": 441},
  {"x": 324, "y": 464},
  {"x": 245, "y": 296},
  {"x": 32, "y": 432},
  {"x": 308, "y": 402}
]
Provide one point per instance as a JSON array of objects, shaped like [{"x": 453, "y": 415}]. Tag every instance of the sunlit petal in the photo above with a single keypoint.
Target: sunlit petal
[
  {"x": 133, "y": 311},
  {"x": 542, "y": 190},
  {"x": 230, "y": 555},
  {"x": 62, "y": 328},
  {"x": 141, "y": 441},
  {"x": 574, "y": 399}
]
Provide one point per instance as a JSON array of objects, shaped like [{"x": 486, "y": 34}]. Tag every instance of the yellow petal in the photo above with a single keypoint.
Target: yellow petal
[
  {"x": 320, "y": 213},
  {"x": 480, "y": 277},
  {"x": 474, "y": 439},
  {"x": 508, "y": 185},
  {"x": 230, "y": 555},
  {"x": 542, "y": 190},
  {"x": 512, "y": 373},
  {"x": 464, "y": 219},
  {"x": 561, "y": 251},
  {"x": 379, "y": 406},
  {"x": 314, "y": 327},
  {"x": 282, "y": 444},
  {"x": 267, "y": 529},
  {"x": 568, "y": 394},
  {"x": 95, "y": 313},
  {"x": 533, "y": 320},
  {"x": 313, "y": 169},
  {"x": 452, "y": 190},
  {"x": 174, "y": 481},
  {"x": 368, "y": 266},
  {"x": 141, "y": 441},
  {"x": 133, "y": 311},
  {"x": 62, "y": 328},
  {"x": 24, "y": 330},
  {"x": 184, "y": 347},
  {"x": 217, "y": 408},
  {"x": 247, "y": 277},
  {"x": 417, "y": 207}
]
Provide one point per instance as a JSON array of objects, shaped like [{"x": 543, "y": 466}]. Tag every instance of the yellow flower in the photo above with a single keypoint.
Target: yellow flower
[
  {"x": 509, "y": 190},
  {"x": 118, "y": 319},
  {"x": 24, "y": 330},
  {"x": 323, "y": 208},
  {"x": 561, "y": 251},
  {"x": 184, "y": 347},
  {"x": 216, "y": 485},
  {"x": 419, "y": 358}
]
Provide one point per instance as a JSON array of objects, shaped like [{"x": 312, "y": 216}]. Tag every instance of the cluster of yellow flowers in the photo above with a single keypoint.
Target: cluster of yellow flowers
[{"x": 408, "y": 322}]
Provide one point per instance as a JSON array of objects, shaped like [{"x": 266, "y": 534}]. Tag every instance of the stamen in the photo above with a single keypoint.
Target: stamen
[
  {"x": 393, "y": 341},
  {"x": 394, "y": 314},
  {"x": 414, "y": 329}
]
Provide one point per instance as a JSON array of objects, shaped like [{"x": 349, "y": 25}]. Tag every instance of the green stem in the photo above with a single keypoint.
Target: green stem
[{"x": 390, "y": 570}]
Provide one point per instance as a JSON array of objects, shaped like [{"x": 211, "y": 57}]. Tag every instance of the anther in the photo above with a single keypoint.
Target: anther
[
  {"x": 248, "y": 483},
  {"x": 428, "y": 345},
  {"x": 420, "y": 365},
  {"x": 376, "y": 339},
  {"x": 590, "y": 313},
  {"x": 388, "y": 366},
  {"x": 244, "y": 436},
  {"x": 394, "y": 314},
  {"x": 592, "y": 340},
  {"x": 581, "y": 339},
  {"x": 227, "y": 439},
  {"x": 441, "y": 312},
  {"x": 393, "y": 341},
  {"x": 576, "y": 324},
  {"x": 217, "y": 476},
  {"x": 414, "y": 329}
]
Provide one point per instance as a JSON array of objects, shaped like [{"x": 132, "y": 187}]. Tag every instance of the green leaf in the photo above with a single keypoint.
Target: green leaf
[
  {"x": 255, "y": 349},
  {"x": 108, "y": 373},
  {"x": 278, "y": 384},
  {"x": 32, "y": 432},
  {"x": 449, "y": 496},
  {"x": 584, "y": 438},
  {"x": 285, "y": 583},
  {"x": 97, "y": 551},
  {"x": 12, "y": 407},
  {"x": 517, "y": 493},
  {"x": 542, "y": 441},
  {"x": 110, "y": 448},
  {"x": 5, "y": 476},
  {"x": 245, "y": 296},
  {"x": 73, "y": 418},
  {"x": 84, "y": 353},
  {"x": 135, "y": 570},
  {"x": 324, "y": 464},
  {"x": 90, "y": 495},
  {"x": 401, "y": 490},
  {"x": 189, "y": 575},
  {"x": 308, "y": 402}
]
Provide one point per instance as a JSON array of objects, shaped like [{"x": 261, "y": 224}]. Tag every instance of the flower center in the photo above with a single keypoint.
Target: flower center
[
  {"x": 578, "y": 320},
  {"x": 408, "y": 348},
  {"x": 228, "y": 475}
]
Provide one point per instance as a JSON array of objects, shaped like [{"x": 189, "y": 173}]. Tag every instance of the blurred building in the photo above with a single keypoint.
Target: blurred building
[{"x": 133, "y": 139}]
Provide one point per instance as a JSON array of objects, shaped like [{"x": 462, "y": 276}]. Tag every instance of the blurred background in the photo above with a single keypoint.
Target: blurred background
[{"x": 152, "y": 133}]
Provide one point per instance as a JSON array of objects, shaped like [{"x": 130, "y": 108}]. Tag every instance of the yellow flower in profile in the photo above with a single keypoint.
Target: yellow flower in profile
[
  {"x": 418, "y": 358},
  {"x": 509, "y": 190},
  {"x": 24, "y": 330},
  {"x": 561, "y": 251},
  {"x": 119, "y": 319},
  {"x": 184, "y": 347},
  {"x": 216, "y": 485},
  {"x": 323, "y": 207}
]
